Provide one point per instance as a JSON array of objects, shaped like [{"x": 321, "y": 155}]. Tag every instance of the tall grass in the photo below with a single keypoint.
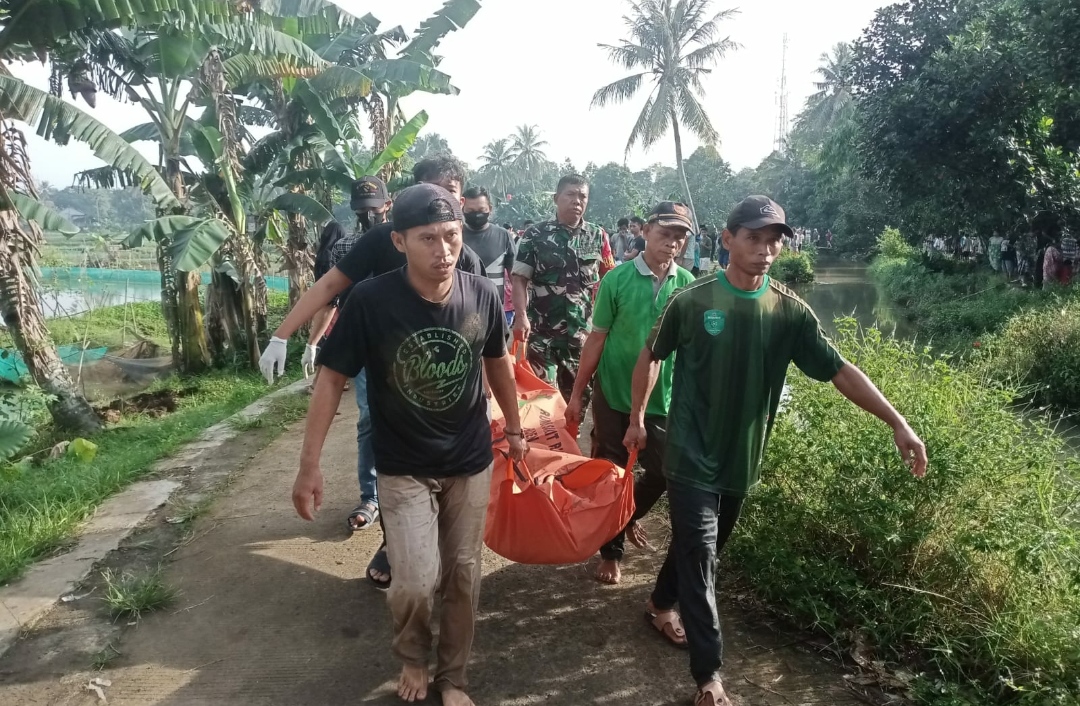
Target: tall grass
[
  {"x": 952, "y": 309},
  {"x": 972, "y": 574}
]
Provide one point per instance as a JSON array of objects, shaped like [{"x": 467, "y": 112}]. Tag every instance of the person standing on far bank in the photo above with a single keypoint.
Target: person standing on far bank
[
  {"x": 733, "y": 336},
  {"x": 558, "y": 267},
  {"x": 424, "y": 332}
]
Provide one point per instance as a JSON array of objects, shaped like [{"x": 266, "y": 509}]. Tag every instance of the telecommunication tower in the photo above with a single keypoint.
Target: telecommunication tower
[{"x": 783, "y": 120}]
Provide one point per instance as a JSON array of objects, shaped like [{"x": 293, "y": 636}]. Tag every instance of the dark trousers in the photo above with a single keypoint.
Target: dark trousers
[
  {"x": 609, "y": 429},
  {"x": 701, "y": 523}
]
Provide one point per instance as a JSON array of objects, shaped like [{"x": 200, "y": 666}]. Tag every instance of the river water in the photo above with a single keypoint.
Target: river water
[{"x": 844, "y": 289}]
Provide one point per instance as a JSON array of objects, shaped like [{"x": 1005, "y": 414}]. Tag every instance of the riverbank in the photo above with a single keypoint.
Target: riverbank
[
  {"x": 1008, "y": 334},
  {"x": 960, "y": 588}
]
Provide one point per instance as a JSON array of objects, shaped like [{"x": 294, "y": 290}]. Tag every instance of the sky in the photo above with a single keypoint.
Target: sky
[{"x": 537, "y": 62}]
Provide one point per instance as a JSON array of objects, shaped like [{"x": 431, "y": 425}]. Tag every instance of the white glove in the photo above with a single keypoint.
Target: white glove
[
  {"x": 308, "y": 361},
  {"x": 273, "y": 356}
]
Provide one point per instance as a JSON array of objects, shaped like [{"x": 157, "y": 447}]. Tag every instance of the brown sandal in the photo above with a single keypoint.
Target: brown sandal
[
  {"x": 661, "y": 620},
  {"x": 712, "y": 694}
]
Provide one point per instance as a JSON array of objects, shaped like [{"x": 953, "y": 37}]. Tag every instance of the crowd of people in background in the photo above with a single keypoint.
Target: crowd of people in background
[{"x": 1033, "y": 260}]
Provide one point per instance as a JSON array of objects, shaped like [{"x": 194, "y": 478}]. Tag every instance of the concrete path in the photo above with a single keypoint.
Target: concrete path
[{"x": 275, "y": 611}]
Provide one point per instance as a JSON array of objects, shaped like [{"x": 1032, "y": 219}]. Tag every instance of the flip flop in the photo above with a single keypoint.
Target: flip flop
[
  {"x": 661, "y": 619},
  {"x": 380, "y": 563},
  {"x": 367, "y": 511},
  {"x": 712, "y": 694}
]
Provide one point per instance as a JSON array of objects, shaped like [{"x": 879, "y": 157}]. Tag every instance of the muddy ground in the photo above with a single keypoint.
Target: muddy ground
[{"x": 275, "y": 611}]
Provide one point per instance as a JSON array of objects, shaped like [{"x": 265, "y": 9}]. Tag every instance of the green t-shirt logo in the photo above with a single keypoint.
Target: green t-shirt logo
[{"x": 714, "y": 321}]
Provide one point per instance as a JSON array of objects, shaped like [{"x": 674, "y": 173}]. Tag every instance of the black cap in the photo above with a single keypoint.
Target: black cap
[
  {"x": 423, "y": 205},
  {"x": 368, "y": 192},
  {"x": 671, "y": 214},
  {"x": 755, "y": 212}
]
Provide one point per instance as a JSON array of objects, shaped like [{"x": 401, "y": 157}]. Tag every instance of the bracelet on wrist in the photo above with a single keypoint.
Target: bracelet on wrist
[{"x": 507, "y": 432}]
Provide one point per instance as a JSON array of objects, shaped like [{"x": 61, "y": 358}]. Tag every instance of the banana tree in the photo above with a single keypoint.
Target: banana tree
[
  {"x": 22, "y": 218},
  {"x": 158, "y": 70},
  {"x": 60, "y": 121}
]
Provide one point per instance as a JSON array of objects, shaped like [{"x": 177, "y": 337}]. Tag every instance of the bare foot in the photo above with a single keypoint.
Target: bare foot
[
  {"x": 413, "y": 684},
  {"x": 456, "y": 697},
  {"x": 608, "y": 572},
  {"x": 638, "y": 536},
  {"x": 378, "y": 576}
]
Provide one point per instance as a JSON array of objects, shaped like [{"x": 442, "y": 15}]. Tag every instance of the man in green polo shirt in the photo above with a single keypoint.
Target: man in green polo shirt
[
  {"x": 735, "y": 334},
  {"x": 630, "y": 300}
]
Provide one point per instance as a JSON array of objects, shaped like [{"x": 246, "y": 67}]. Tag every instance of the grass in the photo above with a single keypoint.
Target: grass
[
  {"x": 971, "y": 575},
  {"x": 953, "y": 310},
  {"x": 41, "y": 506},
  {"x": 129, "y": 595},
  {"x": 110, "y": 326},
  {"x": 103, "y": 658}
]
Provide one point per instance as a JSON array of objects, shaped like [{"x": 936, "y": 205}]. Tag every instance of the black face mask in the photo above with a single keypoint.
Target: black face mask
[
  {"x": 477, "y": 220},
  {"x": 369, "y": 220}
]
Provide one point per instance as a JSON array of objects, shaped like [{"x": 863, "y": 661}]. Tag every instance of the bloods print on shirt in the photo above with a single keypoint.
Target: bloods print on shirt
[{"x": 431, "y": 368}]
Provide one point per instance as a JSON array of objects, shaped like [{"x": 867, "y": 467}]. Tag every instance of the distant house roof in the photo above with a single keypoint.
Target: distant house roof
[{"x": 72, "y": 213}]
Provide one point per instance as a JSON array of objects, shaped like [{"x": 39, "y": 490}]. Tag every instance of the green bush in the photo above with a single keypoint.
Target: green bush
[
  {"x": 972, "y": 574},
  {"x": 1039, "y": 350},
  {"x": 891, "y": 243},
  {"x": 952, "y": 310},
  {"x": 793, "y": 267}
]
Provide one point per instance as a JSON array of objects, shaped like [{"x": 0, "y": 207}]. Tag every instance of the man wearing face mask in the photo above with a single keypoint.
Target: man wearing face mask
[{"x": 492, "y": 244}]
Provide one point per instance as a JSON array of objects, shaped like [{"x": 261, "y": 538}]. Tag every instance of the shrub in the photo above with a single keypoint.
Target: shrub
[
  {"x": 953, "y": 310},
  {"x": 1039, "y": 350},
  {"x": 972, "y": 573},
  {"x": 793, "y": 267},
  {"x": 891, "y": 244}
]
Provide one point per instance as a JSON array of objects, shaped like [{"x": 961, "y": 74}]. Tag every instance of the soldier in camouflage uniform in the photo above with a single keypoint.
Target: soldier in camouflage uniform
[{"x": 558, "y": 268}]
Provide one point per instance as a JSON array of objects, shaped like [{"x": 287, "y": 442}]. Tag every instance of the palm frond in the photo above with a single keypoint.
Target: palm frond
[
  {"x": 708, "y": 54},
  {"x": 60, "y": 121},
  {"x": 618, "y": 91},
  {"x": 693, "y": 116},
  {"x": 708, "y": 31},
  {"x": 629, "y": 56}
]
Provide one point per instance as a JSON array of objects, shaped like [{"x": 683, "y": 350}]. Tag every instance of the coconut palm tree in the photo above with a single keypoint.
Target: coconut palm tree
[
  {"x": 428, "y": 145},
  {"x": 499, "y": 164},
  {"x": 529, "y": 157},
  {"x": 832, "y": 104},
  {"x": 672, "y": 45}
]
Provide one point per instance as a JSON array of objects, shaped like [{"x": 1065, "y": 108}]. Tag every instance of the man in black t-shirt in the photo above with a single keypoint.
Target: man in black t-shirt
[
  {"x": 424, "y": 332},
  {"x": 492, "y": 244},
  {"x": 372, "y": 255}
]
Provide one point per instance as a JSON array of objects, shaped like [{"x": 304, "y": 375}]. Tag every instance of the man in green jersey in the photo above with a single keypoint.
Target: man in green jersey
[
  {"x": 629, "y": 301},
  {"x": 735, "y": 334}
]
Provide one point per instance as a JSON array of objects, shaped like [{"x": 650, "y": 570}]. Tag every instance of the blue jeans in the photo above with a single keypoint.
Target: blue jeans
[{"x": 365, "y": 454}]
